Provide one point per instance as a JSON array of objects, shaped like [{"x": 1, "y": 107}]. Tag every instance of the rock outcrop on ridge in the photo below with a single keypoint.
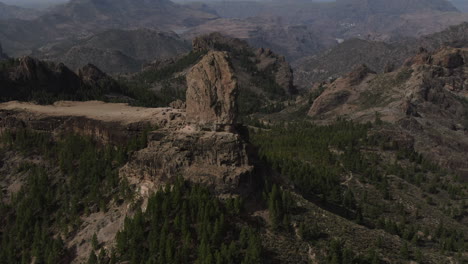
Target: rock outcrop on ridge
[{"x": 212, "y": 93}]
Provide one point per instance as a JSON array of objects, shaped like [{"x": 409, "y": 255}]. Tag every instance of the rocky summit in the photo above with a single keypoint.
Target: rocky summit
[{"x": 212, "y": 93}]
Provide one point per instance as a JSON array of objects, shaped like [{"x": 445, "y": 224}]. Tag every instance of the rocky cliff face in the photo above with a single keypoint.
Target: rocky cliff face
[
  {"x": 216, "y": 159},
  {"x": 212, "y": 93}
]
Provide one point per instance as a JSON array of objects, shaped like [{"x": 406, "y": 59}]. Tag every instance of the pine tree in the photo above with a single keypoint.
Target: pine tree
[
  {"x": 404, "y": 251},
  {"x": 95, "y": 242},
  {"x": 92, "y": 258}
]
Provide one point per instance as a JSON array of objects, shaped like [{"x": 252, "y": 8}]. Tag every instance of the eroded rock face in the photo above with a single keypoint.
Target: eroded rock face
[
  {"x": 218, "y": 160},
  {"x": 212, "y": 93}
]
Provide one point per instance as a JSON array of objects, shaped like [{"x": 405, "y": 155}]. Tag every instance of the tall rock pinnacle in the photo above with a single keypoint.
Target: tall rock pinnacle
[{"x": 212, "y": 93}]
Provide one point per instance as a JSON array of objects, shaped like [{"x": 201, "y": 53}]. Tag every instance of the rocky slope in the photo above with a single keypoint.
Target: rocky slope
[
  {"x": 116, "y": 51},
  {"x": 426, "y": 98}
]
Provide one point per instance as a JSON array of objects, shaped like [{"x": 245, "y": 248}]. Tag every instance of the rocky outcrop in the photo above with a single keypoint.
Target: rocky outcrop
[
  {"x": 216, "y": 159},
  {"x": 266, "y": 61},
  {"x": 212, "y": 93},
  {"x": 283, "y": 74},
  {"x": 359, "y": 74}
]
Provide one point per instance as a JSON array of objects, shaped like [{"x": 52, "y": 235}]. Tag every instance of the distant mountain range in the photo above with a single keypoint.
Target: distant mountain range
[
  {"x": 81, "y": 18},
  {"x": 379, "y": 56},
  {"x": 301, "y": 28},
  {"x": 10, "y": 12},
  {"x": 116, "y": 51}
]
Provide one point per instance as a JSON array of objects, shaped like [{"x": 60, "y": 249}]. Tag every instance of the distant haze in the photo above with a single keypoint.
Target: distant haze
[{"x": 34, "y": 3}]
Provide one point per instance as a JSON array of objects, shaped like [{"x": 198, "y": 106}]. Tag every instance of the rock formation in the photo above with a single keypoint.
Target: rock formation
[
  {"x": 266, "y": 60},
  {"x": 212, "y": 93},
  {"x": 283, "y": 73}
]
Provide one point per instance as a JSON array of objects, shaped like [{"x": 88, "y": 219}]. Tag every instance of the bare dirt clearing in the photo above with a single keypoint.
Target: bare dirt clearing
[{"x": 108, "y": 112}]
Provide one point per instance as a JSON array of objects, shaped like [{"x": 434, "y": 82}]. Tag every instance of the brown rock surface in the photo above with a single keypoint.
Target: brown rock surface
[
  {"x": 216, "y": 159},
  {"x": 212, "y": 93}
]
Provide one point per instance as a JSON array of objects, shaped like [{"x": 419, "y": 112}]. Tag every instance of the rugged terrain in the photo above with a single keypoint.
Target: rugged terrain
[
  {"x": 116, "y": 51},
  {"x": 377, "y": 55},
  {"x": 374, "y": 174},
  {"x": 82, "y": 18}
]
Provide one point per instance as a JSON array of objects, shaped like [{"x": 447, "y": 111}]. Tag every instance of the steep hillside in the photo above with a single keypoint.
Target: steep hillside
[
  {"x": 426, "y": 97},
  {"x": 116, "y": 51}
]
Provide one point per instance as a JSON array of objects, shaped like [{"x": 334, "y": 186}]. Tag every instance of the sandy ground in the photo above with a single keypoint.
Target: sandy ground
[{"x": 109, "y": 112}]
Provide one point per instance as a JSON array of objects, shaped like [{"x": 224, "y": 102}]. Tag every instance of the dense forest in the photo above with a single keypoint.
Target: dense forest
[{"x": 187, "y": 223}]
